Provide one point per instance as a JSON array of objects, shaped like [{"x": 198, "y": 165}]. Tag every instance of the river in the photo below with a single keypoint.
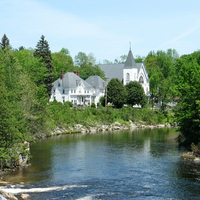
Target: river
[{"x": 138, "y": 164}]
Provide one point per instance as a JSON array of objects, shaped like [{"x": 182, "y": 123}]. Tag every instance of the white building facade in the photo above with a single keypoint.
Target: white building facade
[{"x": 70, "y": 87}]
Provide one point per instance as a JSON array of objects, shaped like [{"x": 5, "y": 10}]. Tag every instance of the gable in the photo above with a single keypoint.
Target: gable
[{"x": 142, "y": 70}]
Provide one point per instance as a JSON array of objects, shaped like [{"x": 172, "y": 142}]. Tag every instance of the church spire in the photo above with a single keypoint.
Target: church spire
[
  {"x": 129, "y": 46},
  {"x": 130, "y": 61}
]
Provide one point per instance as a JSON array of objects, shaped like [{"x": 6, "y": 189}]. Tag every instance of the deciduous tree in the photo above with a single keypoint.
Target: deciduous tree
[
  {"x": 187, "y": 86},
  {"x": 135, "y": 94},
  {"x": 116, "y": 93}
]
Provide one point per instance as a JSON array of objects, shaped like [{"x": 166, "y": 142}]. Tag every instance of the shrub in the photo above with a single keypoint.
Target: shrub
[
  {"x": 93, "y": 105},
  {"x": 69, "y": 103}
]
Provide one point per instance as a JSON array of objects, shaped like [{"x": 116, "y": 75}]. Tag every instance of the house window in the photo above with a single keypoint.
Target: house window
[
  {"x": 71, "y": 91},
  {"x": 127, "y": 78},
  {"x": 63, "y": 99},
  {"x": 74, "y": 91},
  {"x": 141, "y": 80},
  {"x": 59, "y": 84},
  {"x": 63, "y": 91}
]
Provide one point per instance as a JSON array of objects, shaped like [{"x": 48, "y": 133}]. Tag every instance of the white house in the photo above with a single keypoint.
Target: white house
[
  {"x": 70, "y": 87},
  {"x": 130, "y": 71}
]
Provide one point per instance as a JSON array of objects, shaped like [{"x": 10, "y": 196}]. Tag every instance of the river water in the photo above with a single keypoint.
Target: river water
[{"x": 138, "y": 164}]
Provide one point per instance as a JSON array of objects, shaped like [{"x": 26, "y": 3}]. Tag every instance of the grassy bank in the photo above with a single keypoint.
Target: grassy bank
[{"x": 62, "y": 115}]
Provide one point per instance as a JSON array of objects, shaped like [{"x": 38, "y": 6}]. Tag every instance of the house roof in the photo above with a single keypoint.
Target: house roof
[
  {"x": 96, "y": 82},
  {"x": 71, "y": 80}
]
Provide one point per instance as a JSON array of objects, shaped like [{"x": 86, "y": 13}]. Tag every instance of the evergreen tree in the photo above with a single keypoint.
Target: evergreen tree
[
  {"x": 43, "y": 51},
  {"x": 4, "y": 42}
]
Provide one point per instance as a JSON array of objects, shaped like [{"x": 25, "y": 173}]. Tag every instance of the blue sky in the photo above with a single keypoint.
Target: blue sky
[{"x": 103, "y": 27}]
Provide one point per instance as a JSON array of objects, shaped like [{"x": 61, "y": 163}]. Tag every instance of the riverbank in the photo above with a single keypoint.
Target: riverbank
[{"x": 117, "y": 126}]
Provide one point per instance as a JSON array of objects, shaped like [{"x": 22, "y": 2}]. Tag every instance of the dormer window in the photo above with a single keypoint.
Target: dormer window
[
  {"x": 58, "y": 84},
  {"x": 63, "y": 91}
]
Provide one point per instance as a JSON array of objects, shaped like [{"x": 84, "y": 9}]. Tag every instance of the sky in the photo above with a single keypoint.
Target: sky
[{"x": 106, "y": 28}]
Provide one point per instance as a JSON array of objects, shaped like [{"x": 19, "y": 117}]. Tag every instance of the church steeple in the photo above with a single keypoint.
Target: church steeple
[{"x": 130, "y": 61}]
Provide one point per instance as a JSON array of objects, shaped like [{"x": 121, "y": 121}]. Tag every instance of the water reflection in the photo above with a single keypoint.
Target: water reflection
[{"x": 140, "y": 163}]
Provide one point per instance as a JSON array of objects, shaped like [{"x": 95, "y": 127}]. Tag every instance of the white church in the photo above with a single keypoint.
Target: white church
[
  {"x": 130, "y": 71},
  {"x": 70, "y": 87}
]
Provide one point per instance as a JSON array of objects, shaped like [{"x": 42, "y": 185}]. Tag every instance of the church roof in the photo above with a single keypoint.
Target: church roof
[
  {"x": 130, "y": 61},
  {"x": 112, "y": 71},
  {"x": 96, "y": 82}
]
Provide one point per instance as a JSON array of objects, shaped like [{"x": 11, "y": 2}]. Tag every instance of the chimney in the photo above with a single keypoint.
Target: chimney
[
  {"x": 77, "y": 73},
  {"x": 62, "y": 74}
]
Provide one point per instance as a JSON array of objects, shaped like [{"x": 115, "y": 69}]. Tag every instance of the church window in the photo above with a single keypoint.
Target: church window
[
  {"x": 127, "y": 78},
  {"x": 141, "y": 80}
]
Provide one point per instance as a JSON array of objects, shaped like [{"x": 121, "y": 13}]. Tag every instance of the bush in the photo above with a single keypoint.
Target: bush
[
  {"x": 69, "y": 103},
  {"x": 93, "y": 105}
]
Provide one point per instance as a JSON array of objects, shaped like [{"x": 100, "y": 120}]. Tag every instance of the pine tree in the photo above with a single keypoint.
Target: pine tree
[
  {"x": 4, "y": 42},
  {"x": 43, "y": 51}
]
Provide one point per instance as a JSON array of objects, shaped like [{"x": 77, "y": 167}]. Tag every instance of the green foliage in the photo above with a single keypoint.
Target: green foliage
[
  {"x": 61, "y": 62},
  {"x": 43, "y": 52},
  {"x": 64, "y": 116},
  {"x": 64, "y": 51},
  {"x": 135, "y": 94},
  {"x": 187, "y": 112},
  {"x": 86, "y": 66},
  {"x": 32, "y": 66},
  {"x": 68, "y": 103},
  {"x": 102, "y": 101},
  {"x": 4, "y": 42},
  {"x": 93, "y": 105},
  {"x": 161, "y": 70},
  {"x": 116, "y": 93},
  {"x": 88, "y": 70}
]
